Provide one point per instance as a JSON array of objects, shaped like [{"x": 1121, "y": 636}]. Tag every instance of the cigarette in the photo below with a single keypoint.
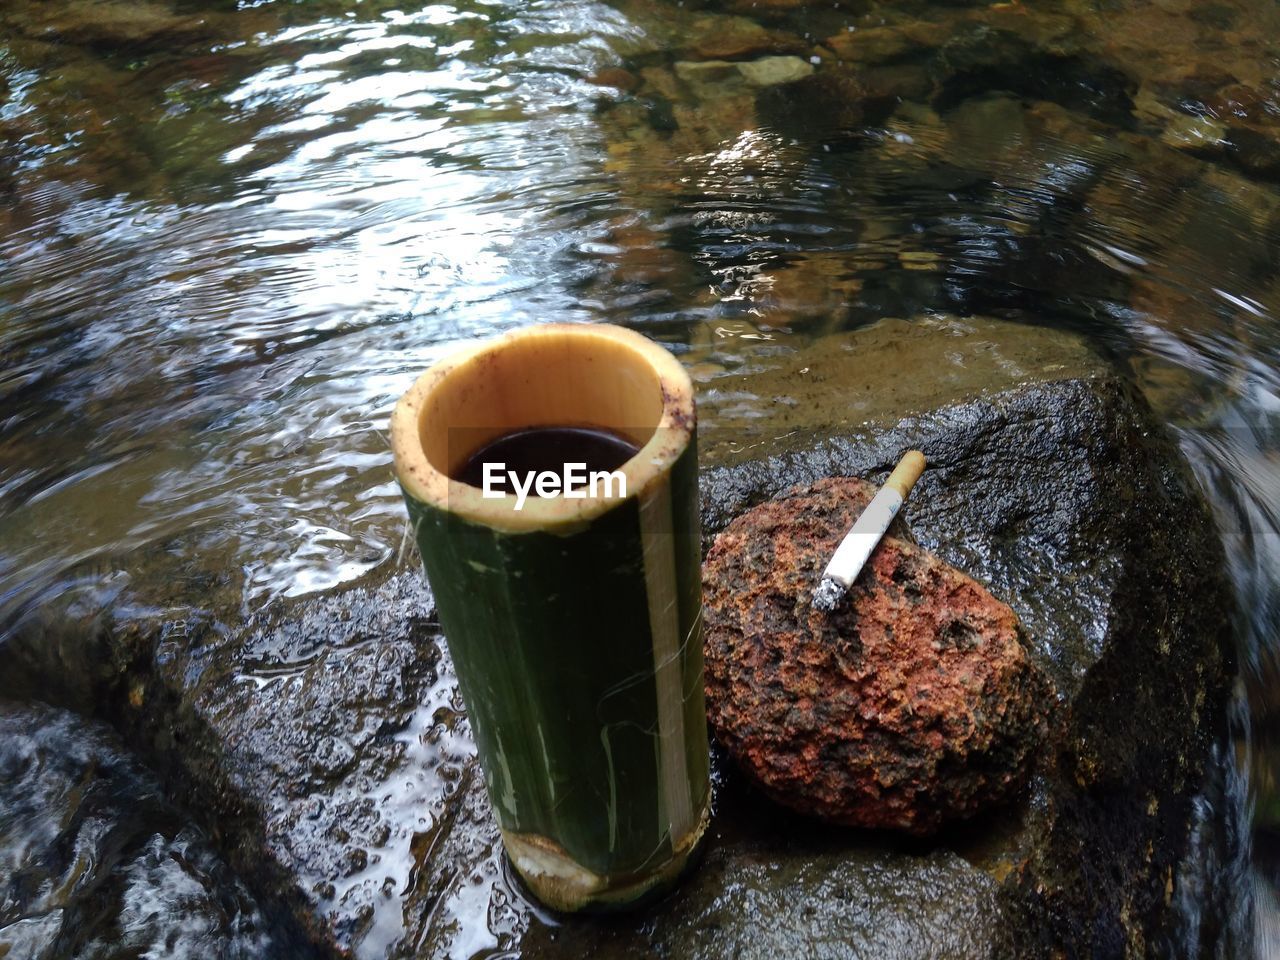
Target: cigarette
[{"x": 856, "y": 547}]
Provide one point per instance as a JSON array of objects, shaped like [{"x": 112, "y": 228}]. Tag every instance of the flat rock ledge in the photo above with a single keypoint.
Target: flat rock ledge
[{"x": 322, "y": 749}]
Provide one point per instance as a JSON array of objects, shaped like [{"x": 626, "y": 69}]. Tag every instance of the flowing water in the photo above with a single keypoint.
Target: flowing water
[{"x": 233, "y": 232}]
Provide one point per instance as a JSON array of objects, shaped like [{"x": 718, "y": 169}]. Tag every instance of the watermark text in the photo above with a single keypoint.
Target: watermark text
[{"x": 574, "y": 483}]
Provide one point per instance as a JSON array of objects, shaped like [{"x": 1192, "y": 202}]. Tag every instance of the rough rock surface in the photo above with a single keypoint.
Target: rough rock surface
[
  {"x": 325, "y": 740},
  {"x": 322, "y": 746},
  {"x": 807, "y": 895},
  {"x": 914, "y": 703},
  {"x": 1065, "y": 499},
  {"x": 82, "y": 827}
]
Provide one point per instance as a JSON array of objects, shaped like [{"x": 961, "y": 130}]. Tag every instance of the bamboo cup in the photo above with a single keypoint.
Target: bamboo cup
[{"x": 574, "y": 624}]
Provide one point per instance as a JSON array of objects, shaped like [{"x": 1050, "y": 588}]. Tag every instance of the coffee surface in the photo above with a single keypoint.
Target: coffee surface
[{"x": 539, "y": 449}]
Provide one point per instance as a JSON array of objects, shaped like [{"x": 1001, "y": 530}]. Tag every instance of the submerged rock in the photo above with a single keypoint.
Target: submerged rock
[
  {"x": 875, "y": 45},
  {"x": 735, "y": 38},
  {"x": 817, "y": 105},
  {"x": 769, "y": 71},
  {"x": 701, "y": 72},
  {"x": 1255, "y": 152},
  {"x": 617, "y": 77},
  {"x": 112, "y": 24},
  {"x": 913, "y": 704}
]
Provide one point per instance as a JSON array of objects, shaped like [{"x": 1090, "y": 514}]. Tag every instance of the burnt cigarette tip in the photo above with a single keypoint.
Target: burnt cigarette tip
[{"x": 828, "y": 594}]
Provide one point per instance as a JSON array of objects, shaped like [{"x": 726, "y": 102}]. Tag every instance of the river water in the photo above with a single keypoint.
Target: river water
[{"x": 233, "y": 232}]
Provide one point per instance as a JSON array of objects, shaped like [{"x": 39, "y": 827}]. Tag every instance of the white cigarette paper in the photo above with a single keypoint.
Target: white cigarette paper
[
  {"x": 855, "y": 549},
  {"x": 858, "y": 543}
]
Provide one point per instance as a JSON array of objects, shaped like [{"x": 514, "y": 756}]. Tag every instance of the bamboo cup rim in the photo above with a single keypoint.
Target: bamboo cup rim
[{"x": 466, "y": 384}]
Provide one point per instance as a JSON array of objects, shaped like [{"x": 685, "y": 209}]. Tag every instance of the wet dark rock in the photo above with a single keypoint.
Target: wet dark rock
[
  {"x": 738, "y": 38},
  {"x": 320, "y": 738},
  {"x": 912, "y": 704},
  {"x": 1255, "y": 152},
  {"x": 323, "y": 744},
  {"x": 95, "y": 863},
  {"x": 826, "y": 106},
  {"x": 820, "y": 897},
  {"x": 980, "y": 59},
  {"x": 1064, "y": 498}
]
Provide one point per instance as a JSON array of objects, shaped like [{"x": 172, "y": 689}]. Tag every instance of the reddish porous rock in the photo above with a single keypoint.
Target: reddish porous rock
[{"x": 912, "y": 705}]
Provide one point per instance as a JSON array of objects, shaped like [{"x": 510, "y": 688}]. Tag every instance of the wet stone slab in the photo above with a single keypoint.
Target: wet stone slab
[
  {"x": 96, "y": 863},
  {"x": 329, "y": 737},
  {"x": 322, "y": 743},
  {"x": 811, "y": 896}
]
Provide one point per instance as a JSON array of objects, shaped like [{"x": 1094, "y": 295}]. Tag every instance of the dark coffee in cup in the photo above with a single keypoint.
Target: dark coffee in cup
[{"x": 535, "y": 450}]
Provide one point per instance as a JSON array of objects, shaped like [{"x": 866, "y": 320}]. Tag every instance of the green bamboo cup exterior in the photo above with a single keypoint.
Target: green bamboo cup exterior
[{"x": 574, "y": 624}]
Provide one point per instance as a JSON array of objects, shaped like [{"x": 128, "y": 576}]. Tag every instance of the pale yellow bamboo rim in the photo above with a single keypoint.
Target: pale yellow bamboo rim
[{"x": 615, "y": 370}]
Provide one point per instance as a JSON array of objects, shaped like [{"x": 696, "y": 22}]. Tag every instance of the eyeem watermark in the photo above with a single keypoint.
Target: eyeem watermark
[{"x": 575, "y": 483}]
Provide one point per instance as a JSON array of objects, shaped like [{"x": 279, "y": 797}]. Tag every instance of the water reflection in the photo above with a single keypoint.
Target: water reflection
[{"x": 383, "y": 213}]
